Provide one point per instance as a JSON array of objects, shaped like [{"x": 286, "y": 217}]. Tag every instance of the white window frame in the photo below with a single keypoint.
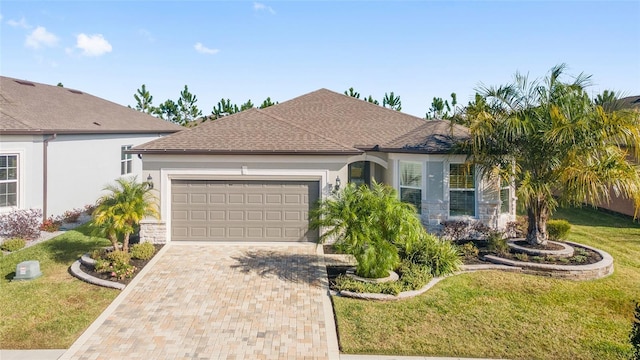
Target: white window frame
[
  {"x": 126, "y": 160},
  {"x": 506, "y": 187},
  {"x": 420, "y": 187},
  {"x": 472, "y": 189},
  {"x": 10, "y": 181}
]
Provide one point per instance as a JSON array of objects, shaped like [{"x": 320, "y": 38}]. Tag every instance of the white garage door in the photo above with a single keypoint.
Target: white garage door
[{"x": 242, "y": 210}]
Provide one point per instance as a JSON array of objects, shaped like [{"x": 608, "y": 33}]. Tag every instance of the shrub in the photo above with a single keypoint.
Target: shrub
[
  {"x": 469, "y": 250},
  {"x": 142, "y": 251},
  {"x": 118, "y": 256},
  {"x": 564, "y": 260},
  {"x": 24, "y": 224},
  {"x": 116, "y": 263},
  {"x": 440, "y": 256},
  {"x": 457, "y": 230},
  {"x": 370, "y": 224},
  {"x": 634, "y": 337},
  {"x": 497, "y": 243},
  {"x": 13, "y": 244},
  {"x": 537, "y": 258},
  {"x": 579, "y": 258},
  {"x": 50, "y": 225},
  {"x": 522, "y": 257},
  {"x": 412, "y": 277},
  {"x": 558, "y": 229},
  {"x": 71, "y": 216},
  {"x": 581, "y": 251}
]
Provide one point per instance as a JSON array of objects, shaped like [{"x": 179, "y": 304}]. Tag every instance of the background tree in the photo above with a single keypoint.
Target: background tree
[
  {"x": 144, "y": 101},
  {"x": 372, "y": 100},
  {"x": 608, "y": 100},
  {"x": 391, "y": 101},
  {"x": 120, "y": 211},
  {"x": 60, "y": 85},
  {"x": 168, "y": 111},
  {"x": 440, "y": 109},
  {"x": 187, "y": 107},
  {"x": 223, "y": 108},
  {"x": 246, "y": 106},
  {"x": 566, "y": 149},
  {"x": 266, "y": 103},
  {"x": 352, "y": 93}
]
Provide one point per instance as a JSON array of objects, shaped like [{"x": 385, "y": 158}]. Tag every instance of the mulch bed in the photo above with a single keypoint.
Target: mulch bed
[
  {"x": 549, "y": 246},
  {"x": 139, "y": 264},
  {"x": 581, "y": 255}
]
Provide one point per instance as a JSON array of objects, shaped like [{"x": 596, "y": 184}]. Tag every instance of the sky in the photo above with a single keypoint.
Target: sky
[{"x": 244, "y": 50}]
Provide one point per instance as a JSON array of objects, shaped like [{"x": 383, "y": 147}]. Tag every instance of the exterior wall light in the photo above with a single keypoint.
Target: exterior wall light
[
  {"x": 337, "y": 186},
  {"x": 150, "y": 181}
]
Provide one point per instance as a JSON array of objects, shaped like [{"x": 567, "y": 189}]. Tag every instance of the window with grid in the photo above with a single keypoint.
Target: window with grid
[
  {"x": 462, "y": 190},
  {"x": 126, "y": 160},
  {"x": 411, "y": 183},
  {"x": 505, "y": 196},
  {"x": 8, "y": 180}
]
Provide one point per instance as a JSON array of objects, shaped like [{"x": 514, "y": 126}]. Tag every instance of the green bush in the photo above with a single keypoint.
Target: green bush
[
  {"x": 369, "y": 223},
  {"x": 558, "y": 229},
  {"x": 522, "y": 257},
  {"x": 634, "y": 337},
  {"x": 116, "y": 263},
  {"x": 469, "y": 250},
  {"x": 497, "y": 243},
  {"x": 142, "y": 251},
  {"x": 13, "y": 244},
  {"x": 118, "y": 256},
  {"x": 440, "y": 256},
  {"x": 579, "y": 258},
  {"x": 412, "y": 277}
]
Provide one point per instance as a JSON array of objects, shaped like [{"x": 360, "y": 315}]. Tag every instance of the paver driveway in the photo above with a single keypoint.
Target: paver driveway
[{"x": 219, "y": 301}]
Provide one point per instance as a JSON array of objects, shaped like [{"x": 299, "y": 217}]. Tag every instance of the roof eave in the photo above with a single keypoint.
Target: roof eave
[
  {"x": 241, "y": 152},
  {"x": 82, "y": 132}
]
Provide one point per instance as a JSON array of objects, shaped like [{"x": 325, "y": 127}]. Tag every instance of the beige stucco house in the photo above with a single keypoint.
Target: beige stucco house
[{"x": 254, "y": 175}]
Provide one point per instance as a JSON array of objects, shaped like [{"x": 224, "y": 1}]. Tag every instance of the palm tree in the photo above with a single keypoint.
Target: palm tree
[
  {"x": 560, "y": 146},
  {"x": 119, "y": 212},
  {"x": 370, "y": 224}
]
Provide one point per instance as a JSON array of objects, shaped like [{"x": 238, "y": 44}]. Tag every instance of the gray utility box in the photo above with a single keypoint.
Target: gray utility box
[{"x": 27, "y": 270}]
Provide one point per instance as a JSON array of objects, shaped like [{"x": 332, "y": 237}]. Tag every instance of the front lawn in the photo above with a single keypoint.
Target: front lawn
[
  {"x": 506, "y": 315},
  {"x": 51, "y": 311}
]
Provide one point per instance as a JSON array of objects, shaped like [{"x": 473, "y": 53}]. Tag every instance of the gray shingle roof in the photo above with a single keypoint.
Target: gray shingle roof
[
  {"x": 434, "y": 136},
  {"x": 29, "y": 107},
  {"x": 319, "y": 122}
]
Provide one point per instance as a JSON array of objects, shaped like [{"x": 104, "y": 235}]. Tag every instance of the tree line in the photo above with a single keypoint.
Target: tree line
[{"x": 186, "y": 112}]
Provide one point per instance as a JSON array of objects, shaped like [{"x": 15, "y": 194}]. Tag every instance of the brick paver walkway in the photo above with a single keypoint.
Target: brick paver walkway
[{"x": 218, "y": 301}]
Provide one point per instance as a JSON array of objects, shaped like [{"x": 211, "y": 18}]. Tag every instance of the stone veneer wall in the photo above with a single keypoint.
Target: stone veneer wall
[
  {"x": 435, "y": 213},
  {"x": 153, "y": 231}
]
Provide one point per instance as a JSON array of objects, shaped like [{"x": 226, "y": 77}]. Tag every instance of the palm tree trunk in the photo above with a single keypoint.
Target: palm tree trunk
[
  {"x": 125, "y": 242},
  {"x": 538, "y": 214}
]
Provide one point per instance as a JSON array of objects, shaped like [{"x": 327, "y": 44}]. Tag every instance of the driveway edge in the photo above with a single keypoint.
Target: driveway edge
[{"x": 111, "y": 308}]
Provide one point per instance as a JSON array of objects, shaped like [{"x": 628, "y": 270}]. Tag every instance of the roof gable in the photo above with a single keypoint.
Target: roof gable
[{"x": 29, "y": 107}]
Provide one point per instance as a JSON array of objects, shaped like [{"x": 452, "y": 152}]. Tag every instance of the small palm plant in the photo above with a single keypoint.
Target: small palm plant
[
  {"x": 119, "y": 212},
  {"x": 368, "y": 223}
]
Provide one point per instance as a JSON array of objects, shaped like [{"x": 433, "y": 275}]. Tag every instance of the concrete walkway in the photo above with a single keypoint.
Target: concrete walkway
[{"x": 219, "y": 301}]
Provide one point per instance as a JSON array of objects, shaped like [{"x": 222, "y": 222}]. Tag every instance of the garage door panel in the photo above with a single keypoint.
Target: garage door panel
[{"x": 242, "y": 210}]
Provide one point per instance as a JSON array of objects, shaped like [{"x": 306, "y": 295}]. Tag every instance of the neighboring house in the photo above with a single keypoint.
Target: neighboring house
[
  {"x": 254, "y": 175},
  {"x": 619, "y": 204},
  {"x": 60, "y": 147}
]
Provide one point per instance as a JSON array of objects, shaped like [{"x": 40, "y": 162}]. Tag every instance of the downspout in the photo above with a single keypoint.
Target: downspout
[{"x": 45, "y": 146}]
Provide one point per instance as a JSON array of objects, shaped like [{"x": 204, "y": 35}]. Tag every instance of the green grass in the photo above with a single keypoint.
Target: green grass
[
  {"x": 507, "y": 315},
  {"x": 51, "y": 311}
]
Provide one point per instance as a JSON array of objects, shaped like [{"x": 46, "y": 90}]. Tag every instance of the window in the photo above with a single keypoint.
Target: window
[
  {"x": 8, "y": 180},
  {"x": 126, "y": 160},
  {"x": 360, "y": 173},
  {"x": 411, "y": 184},
  {"x": 505, "y": 196},
  {"x": 462, "y": 190}
]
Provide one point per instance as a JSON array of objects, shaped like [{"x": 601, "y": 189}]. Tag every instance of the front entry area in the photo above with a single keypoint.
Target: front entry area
[{"x": 242, "y": 210}]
